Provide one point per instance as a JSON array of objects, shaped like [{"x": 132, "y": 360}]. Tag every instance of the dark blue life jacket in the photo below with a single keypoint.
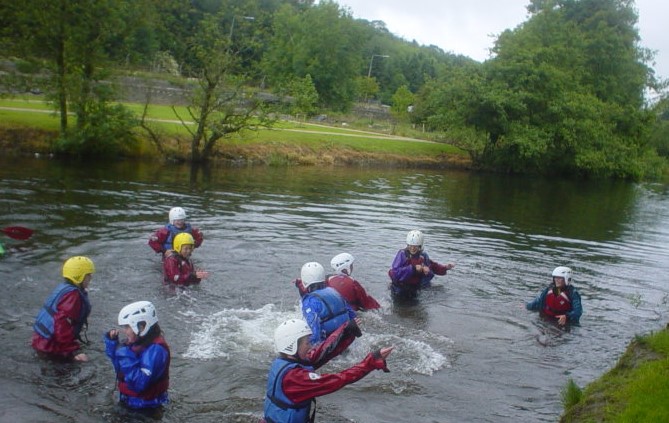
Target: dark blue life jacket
[
  {"x": 174, "y": 231},
  {"x": 278, "y": 408},
  {"x": 44, "y": 323}
]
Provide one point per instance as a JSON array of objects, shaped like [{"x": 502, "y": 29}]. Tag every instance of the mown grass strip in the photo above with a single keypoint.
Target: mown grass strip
[{"x": 312, "y": 136}]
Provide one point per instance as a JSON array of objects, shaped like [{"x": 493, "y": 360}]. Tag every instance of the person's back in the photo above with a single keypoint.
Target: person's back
[
  {"x": 323, "y": 308},
  {"x": 64, "y": 315},
  {"x": 349, "y": 288},
  {"x": 293, "y": 385},
  {"x": 328, "y": 306}
]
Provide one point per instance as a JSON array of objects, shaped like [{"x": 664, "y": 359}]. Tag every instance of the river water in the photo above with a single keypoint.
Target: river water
[{"x": 467, "y": 352}]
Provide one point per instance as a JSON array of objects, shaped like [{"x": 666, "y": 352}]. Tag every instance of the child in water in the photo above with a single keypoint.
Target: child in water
[{"x": 142, "y": 360}]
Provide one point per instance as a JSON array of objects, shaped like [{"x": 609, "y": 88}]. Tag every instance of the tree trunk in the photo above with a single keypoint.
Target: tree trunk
[{"x": 61, "y": 72}]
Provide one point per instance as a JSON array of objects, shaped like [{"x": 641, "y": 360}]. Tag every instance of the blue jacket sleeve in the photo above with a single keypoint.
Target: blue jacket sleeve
[
  {"x": 537, "y": 304},
  {"x": 141, "y": 372},
  {"x": 311, "y": 310},
  {"x": 110, "y": 350},
  {"x": 401, "y": 270},
  {"x": 576, "y": 308}
]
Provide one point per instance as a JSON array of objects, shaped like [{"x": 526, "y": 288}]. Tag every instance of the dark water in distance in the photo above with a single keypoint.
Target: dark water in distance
[{"x": 468, "y": 352}]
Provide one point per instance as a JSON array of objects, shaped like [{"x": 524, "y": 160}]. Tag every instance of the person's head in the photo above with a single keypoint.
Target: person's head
[
  {"x": 415, "y": 241},
  {"x": 137, "y": 319},
  {"x": 562, "y": 276},
  {"x": 178, "y": 217},
  {"x": 292, "y": 338},
  {"x": 183, "y": 244},
  {"x": 79, "y": 270},
  {"x": 342, "y": 263},
  {"x": 312, "y": 275}
]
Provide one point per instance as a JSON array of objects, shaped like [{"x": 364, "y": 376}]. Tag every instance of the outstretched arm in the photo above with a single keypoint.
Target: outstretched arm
[
  {"x": 537, "y": 304},
  {"x": 300, "y": 384}
]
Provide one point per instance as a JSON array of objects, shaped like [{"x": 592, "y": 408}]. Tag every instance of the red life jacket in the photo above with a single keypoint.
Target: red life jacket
[
  {"x": 159, "y": 387},
  {"x": 557, "y": 304}
]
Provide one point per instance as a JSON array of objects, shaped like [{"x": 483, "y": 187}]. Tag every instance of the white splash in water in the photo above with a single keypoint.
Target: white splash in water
[
  {"x": 243, "y": 331},
  {"x": 233, "y": 331}
]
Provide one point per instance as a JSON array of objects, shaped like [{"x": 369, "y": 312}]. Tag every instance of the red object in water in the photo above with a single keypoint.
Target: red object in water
[{"x": 17, "y": 232}]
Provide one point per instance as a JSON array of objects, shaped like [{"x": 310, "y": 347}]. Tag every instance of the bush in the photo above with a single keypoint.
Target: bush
[{"x": 108, "y": 130}]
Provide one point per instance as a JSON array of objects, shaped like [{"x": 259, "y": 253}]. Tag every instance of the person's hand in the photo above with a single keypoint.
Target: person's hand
[
  {"x": 201, "y": 274},
  {"x": 426, "y": 270},
  {"x": 81, "y": 357},
  {"x": 385, "y": 352},
  {"x": 380, "y": 358},
  {"x": 353, "y": 327},
  {"x": 562, "y": 320},
  {"x": 449, "y": 266},
  {"x": 113, "y": 334}
]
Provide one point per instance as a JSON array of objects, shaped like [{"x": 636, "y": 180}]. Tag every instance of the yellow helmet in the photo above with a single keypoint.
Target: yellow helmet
[
  {"x": 182, "y": 239},
  {"x": 76, "y": 268}
]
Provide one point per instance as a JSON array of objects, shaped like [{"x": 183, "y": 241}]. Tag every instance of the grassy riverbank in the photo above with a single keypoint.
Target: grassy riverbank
[
  {"x": 29, "y": 126},
  {"x": 635, "y": 390}
]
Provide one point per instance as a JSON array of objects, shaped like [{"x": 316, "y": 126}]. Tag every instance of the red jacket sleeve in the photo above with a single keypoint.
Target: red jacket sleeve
[
  {"x": 438, "y": 269},
  {"x": 157, "y": 240},
  {"x": 332, "y": 346},
  {"x": 67, "y": 313},
  {"x": 363, "y": 299},
  {"x": 197, "y": 236},
  {"x": 300, "y": 384}
]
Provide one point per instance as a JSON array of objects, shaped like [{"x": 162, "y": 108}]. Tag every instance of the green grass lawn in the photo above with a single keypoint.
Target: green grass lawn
[
  {"x": 635, "y": 390},
  {"x": 35, "y": 113}
]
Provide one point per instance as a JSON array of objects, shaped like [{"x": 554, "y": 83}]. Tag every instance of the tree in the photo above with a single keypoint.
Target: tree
[
  {"x": 402, "y": 100},
  {"x": 221, "y": 105},
  {"x": 564, "y": 93},
  {"x": 320, "y": 41},
  {"x": 367, "y": 87},
  {"x": 70, "y": 38},
  {"x": 305, "y": 96}
]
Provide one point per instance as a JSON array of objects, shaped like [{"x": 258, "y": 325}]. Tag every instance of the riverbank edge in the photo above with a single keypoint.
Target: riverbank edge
[
  {"x": 608, "y": 398},
  {"x": 31, "y": 141}
]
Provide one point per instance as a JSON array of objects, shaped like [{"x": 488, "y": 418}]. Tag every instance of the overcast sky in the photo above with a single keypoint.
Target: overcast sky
[{"x": 470, "y": 27}]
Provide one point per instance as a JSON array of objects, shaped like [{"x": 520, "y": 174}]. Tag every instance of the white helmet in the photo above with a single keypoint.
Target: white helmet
[
  {"x": 341, "y": 263},
  {"x": 563, "y": 272},
  {"x": 177, "y": 213},
  {"x": 287, "y": 335},
  {"x": 415, "y": 238},
  {"x": 312, "y": 273},
  {"x": 135, "y": 313}
]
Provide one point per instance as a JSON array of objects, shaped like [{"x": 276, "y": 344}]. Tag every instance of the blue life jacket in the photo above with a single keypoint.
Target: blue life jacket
[
  {"x": 335, "y": 313},
  {"x": 174, "y": 231},
  {"x": 278, "y": 408},
  {"x": 44, "y": 323}
]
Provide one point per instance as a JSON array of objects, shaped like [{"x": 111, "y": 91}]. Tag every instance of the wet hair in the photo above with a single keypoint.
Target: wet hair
[
  {"x": 152, "y": 334},
  {"x": 316, "y": 286}
]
